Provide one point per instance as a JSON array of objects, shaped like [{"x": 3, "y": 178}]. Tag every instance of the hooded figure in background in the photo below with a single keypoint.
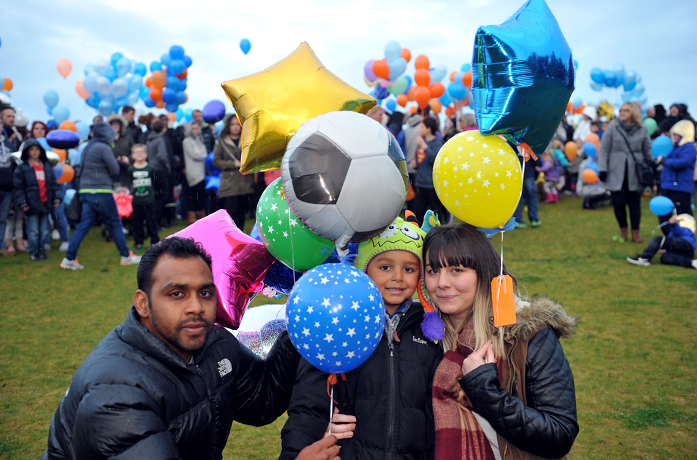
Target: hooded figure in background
[
  {"x": 195, "y": 154},
  {"x": 123, "y": 144}
]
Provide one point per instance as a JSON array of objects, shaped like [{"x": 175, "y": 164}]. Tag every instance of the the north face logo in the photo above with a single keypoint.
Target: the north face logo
[{"x": 224, "y": 367}]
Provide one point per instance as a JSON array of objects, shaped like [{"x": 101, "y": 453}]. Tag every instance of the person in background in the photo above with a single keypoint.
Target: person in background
[
  {"x": 407, "y": 141},
  {"x": 158, "y": 158},
  {"x": 38, "y": 130},
  {"x": 625, "y": 142},
  {"x": 450, "y": 128},
  {"x": 529, "y": 192},
  {"x": 123, "y": 143},
  {"x": 594, "y": 195},
  {"x": 207, "y": 133},
  {"x": 35, "y": 193},
  {"x": 677, "y": 113},
  {"x": 677, "y": 177},
  {"x": 145, "y": 121},
  {"x": 429, "y": 145},
  {"x": 550, "y": 168},
  {"x": 173, "y": 141},
  {"x": 468, "y": 122},
  {"x": 98, "y": 170},
  {"x": 132, "y": 129},
  {"x": 8, "y": 164},
  {"x": 677, "y": 247},
  {"x": 194, "y": 159},
  {"x": 377, "y": 113},
  {"x": 395, "y": 122},
  {"x": 7, "y": 113},
  {"x": 583, "y": 129},
  {"x": 236, "y": 190},
  {"x": 144, "y": 206}
]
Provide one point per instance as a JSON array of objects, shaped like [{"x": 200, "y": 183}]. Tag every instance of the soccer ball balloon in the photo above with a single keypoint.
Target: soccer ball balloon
[{"x": 344, "y": 176}]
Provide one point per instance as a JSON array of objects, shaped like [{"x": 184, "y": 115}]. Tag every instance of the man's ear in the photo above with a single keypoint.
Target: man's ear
[{"x": 140, "y": 301}]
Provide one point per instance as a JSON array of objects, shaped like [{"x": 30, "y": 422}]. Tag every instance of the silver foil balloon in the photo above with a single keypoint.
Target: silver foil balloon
[{"x": 522, "y": 76}]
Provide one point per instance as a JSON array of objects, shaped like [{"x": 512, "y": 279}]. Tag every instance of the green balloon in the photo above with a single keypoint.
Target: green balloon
[
  {"x": 650, "y": 124},
  {"x": 284, "y": 235},
  {"x": 399, "y": 86}
]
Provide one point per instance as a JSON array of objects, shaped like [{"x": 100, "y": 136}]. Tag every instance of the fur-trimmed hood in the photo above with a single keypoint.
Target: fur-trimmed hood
[
  {"x": 120, "y": 119},
  {"x": 531, "y": 316}
]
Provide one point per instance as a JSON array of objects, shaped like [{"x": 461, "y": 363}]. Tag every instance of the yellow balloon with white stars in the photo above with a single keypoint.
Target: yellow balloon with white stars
[{"x": 478, "y": 179}]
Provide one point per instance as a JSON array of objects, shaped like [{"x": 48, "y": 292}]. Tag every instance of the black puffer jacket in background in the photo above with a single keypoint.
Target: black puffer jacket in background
[
  {"x": 26, "y": 187},
  {"x": 390, "y": 395},
  {"x": 135, "y": 398}
]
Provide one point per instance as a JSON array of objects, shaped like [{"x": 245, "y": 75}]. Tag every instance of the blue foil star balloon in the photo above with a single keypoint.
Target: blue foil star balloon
[
  {"x": 336, "y": 317},
  {"x": 522, "y": 76}
]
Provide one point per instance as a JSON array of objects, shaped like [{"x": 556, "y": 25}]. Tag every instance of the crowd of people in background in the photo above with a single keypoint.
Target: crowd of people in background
[{"x": 163, "y": 169}]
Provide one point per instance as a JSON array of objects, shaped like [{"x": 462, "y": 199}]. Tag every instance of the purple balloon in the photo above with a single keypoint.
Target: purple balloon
[
  {"x": 62, "y": 139},
  {"x": 213, "y": 111},
  {"x": 368, "y": 70}
]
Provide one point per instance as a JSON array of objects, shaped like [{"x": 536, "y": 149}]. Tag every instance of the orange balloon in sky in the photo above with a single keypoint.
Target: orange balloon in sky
[
  {"x": 410, "y": 93},
  {"x": 421, "y": 62},
  {"x": 435, "y": 105},
  {"x": 172, "y": 116},
  {"x": 422, "y": 77},
  {"x": 452, "y": 75},
  {"x": 148, "y": 82},
  {"x": 68, "y": 174},
  {"x": 402, "y": 100},
  {"x": 422, "y": 95},
  {"x": 449, "y": 111},
  {"x": 593, "y": 139},
  {"x": 406, "y": 54},
  {"x": 158, "y": 79},
  {"x": 7, "y": 84},
  {"x": 156, "y": 94},
  {"x": 160, "y": 104},
  {"x": 81, "y": 91},
  {"x": 381, "y": 69},
  {"x": 570, "y": 107},
  {"x": 437, "y": 89},
  {"x": 412, "y": 110},
  {"x": 183, "y": 75},
  {"x": 467, "y": 79},
  {"x": 64, "y": 67},
  {"x": 61, "y": 154},
  {"x": 69, "y": 125}
]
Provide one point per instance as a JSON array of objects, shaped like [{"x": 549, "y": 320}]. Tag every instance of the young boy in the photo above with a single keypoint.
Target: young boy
[
  {"x": 35, "y": 191},
  {"x": 144, "y": 207},
  {"x": 385, "y": 403}
]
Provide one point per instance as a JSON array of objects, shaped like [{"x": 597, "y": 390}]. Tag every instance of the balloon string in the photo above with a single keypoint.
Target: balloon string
[
  {"x": 292, "y": 249},
  {"x": 331, "y": 409}
]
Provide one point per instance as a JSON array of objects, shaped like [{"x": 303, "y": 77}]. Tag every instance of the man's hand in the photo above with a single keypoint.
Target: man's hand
[
  {"x": 673, "y": 219},
  {"x": 324, "y": 449},
  {"x": 342, "y": 426}
]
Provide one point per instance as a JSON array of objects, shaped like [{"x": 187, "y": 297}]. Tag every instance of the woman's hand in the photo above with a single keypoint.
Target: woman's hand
[
  {"x": 341, "y": 426},
  {"x": 478, "y": 358},
  {"x": 238, "y": 165}
]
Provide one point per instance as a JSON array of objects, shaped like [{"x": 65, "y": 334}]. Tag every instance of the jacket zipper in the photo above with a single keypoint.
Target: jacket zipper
[
  {"x": 391, "y": 405},
  {"x": 213, "y": 405}
]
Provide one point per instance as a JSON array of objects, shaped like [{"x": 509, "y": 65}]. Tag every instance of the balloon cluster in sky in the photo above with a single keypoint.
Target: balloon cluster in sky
[
  {"x": 629, "y": 80},
  {"x": 164, "y": 88}
]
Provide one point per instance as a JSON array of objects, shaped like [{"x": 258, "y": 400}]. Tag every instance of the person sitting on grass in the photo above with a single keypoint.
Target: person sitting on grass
[
  {"x": 677, "y": 248},
  {"x": 168, "y": 384}
]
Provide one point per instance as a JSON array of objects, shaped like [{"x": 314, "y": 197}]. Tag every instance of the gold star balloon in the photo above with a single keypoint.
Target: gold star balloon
[
  {"x": 273, "y": 103},
  {"x": 478, "y": 178}
]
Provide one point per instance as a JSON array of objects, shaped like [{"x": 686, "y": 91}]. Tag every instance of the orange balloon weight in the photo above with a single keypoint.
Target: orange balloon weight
[
  {"x": 64, "y": 67},
  {"x": 410, "y": 93},
  {"x": 449, "y": 111},
  {"x": 7, "y": 84},
  {"x": 160, "y": 104},
  {"x": 422, "y": 95},
  {"x": 452, "y": 75},
  {"x": 67, "y": 124},
  {"x": 381, "y": 69},
  {"x": 570, "y": 107},
  {"x": 183, "y": 75},
  {"x": 156, "y": 94},
  {"x": 68, "y": 174},
  {"x": 422, "y": 77},
  {"x": 402, "y": 100},
  {"x": 437, "y": 89},
  {"x": 148, "y": 82},
  {"x": 593, "y": 139},
  {"x": 435, "y": 105},
  {"x": 570, "y": 150},
  {"x": 579, "y": 109},
  {"x": 61, "y": 154},
  {"x": 590, "y": 176},
  {"x": 467, "y": 79},
  {"x": 158, "y": 79},
  {"x": 81, "y": 91},
  {"x": 406, "y": 54},
  {"x": 422, "y": 62}
]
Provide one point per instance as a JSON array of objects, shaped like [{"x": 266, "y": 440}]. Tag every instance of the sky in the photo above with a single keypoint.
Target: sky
[{"x": 656, "y": 39}]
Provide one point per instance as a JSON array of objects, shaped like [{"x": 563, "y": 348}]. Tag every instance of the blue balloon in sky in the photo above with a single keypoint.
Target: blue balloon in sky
[
  {"x": 177, "y": 66},
  {"x": 392, "y": 51},
  {"x": 115, "y": 58},
  {"x": 140, "y": 69},
  {"x": 51, "y": 98},
  {"x": 176, "y": 52},
  {"x": 60, "y": 113},
  {"x": 391, "y": 104},
  {"x": 523, "y": 63},
  {"x": 661, "y": 146},
  {"x": 597, "y": 75},
  {"x": 154, "y": 65},
  {"x": 83, "y": 129},
  {"x": 165, "y": 59},
  {"x": 661, "y": 205},
  {"x": 336, "y": 317},
  {"x": 187, "y": 60},
  {"x": 245, "y": 45}
]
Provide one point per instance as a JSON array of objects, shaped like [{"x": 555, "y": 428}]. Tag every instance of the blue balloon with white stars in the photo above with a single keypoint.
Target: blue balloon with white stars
[{"x": 336, "y": 317}]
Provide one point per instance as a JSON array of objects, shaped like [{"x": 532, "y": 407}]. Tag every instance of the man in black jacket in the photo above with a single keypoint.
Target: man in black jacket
[{"x": 166, "y": 383}]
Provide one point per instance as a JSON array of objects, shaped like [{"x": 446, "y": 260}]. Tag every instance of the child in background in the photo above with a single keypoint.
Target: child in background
[
  {"x": 557, "y": 152},
  {"x": 677, "y": 248},
  {"x": 574, "y": 166},
  {"x": 385, "y": 403},
  {"x": 550, "y": 167},
  {"x": 144, "y": 207},
  {"x": 594, "y": 195},
  {"x": 35, "y": 192}
]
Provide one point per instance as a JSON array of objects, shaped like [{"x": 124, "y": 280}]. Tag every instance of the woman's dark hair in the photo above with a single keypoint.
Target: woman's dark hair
[
  {"x": 146, "y": 119},
  {"x": 225, "y": 130},
  {"x": 180, "y": 248},
  {"x": 38, "y": 122},
  {"x": 431, "y": 124}
]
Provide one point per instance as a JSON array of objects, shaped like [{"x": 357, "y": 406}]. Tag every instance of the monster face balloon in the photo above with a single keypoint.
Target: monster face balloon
[{"x": 522, "y": 76}]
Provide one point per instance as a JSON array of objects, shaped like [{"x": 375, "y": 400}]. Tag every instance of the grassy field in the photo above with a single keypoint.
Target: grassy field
[{"x": 634, "y": 355}]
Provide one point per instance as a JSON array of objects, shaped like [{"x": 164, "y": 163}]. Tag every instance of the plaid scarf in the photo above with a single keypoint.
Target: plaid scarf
[{"x": 458, "y": 434}]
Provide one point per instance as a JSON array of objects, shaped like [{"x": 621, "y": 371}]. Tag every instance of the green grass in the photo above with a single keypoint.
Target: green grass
[{"x": 634, "y": 355}]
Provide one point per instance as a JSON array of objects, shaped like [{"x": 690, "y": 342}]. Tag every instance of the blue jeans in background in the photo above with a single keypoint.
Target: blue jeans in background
[
  {"x": 104, "y": 206},
  {"x": 530, "y": 199},
  {"x": 37, "y": 231},
  {"x": 5, "y": 201}
]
